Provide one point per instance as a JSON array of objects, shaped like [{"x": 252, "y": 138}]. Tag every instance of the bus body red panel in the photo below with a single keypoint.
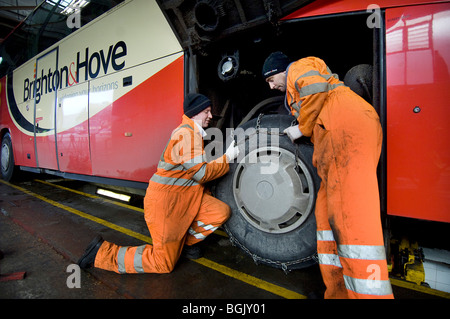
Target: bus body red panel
[
  {"x": 129, "y": 136},
  {"x": 418, "y": 93},
  {"x": 418, "y": 82},
  {"x": 324, "y": 7}
]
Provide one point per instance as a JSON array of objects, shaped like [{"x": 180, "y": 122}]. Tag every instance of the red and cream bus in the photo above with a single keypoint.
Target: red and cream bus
[
  {"x": 94, "y": 103},
  {"x": 98, "y": 103}
]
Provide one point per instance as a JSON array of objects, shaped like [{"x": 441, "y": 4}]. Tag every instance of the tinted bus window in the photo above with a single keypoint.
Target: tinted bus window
[{"x": 52, "y": 21}]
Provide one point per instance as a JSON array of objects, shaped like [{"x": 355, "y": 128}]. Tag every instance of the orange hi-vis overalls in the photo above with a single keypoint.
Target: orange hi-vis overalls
[
  {"x": 177, "y": 210},
  {"x": 347, "y": 138}
]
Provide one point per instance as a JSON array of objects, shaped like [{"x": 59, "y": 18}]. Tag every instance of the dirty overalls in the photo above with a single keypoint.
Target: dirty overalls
[
  {"x": 177, "y": 210},
  {"x": 347, "y": 138}
]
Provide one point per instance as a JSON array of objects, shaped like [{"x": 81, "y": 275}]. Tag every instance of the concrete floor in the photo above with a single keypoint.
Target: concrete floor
[{"x": 45, "y": 228}]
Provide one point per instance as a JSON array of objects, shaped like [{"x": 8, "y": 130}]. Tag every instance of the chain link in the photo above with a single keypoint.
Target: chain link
[
  {"x": 285, "y": 266},
  {"x": 257, "y": 131},
  {"x": 258, "y": 122}
]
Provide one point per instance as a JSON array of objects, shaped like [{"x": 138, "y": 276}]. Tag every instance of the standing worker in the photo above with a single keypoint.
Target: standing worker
[
  {"x": 347, "y": 138},
  {"x": 177, "y": 210}
]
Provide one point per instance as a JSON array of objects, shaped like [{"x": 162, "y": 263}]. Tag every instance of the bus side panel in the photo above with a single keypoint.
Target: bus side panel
[
  {"x": 129, "y": 136},
  {"x": 418, "y": 134},
  {"x": 73, "y": 138},
  {"x": 324, "y": 7}
]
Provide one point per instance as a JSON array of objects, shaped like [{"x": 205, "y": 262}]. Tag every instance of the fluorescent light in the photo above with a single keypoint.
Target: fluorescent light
[{"x": 111, "y": 194}]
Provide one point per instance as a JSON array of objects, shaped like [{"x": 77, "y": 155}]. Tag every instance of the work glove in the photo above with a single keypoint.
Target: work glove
[
  {"x": 293, "y": 132},
  {"x": 232, "y": 151}
]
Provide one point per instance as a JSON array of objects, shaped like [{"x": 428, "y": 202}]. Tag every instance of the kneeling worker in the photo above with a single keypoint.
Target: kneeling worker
[{"x": 177, "y": 210}]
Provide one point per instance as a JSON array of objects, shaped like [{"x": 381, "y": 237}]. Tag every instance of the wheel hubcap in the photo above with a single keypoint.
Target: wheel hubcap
[
  {"x": 271, "y": 192},
  {"x": 5, "y": 157}
]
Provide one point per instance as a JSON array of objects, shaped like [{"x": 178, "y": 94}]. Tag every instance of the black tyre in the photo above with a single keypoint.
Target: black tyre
[
  {"x": 7, "y": 158},
  {"x": 271, "y": 197}
]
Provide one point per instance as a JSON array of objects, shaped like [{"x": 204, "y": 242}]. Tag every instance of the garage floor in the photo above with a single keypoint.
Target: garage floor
[{"x": 46, "y": 223}]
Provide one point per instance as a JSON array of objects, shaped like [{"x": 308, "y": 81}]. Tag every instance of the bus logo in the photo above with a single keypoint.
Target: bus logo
[{"x": 91, "y": 65}]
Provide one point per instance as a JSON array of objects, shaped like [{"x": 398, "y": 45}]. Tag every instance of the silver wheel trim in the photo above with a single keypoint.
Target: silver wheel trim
[
  {"x": 275, "y": 202},
  {"x": 5, "y": 157}
]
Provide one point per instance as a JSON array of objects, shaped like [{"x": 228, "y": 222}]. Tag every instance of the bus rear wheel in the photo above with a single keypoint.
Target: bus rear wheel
[
  {"x": 7, "y": 158},
  {"x": 272, "y": 216}
]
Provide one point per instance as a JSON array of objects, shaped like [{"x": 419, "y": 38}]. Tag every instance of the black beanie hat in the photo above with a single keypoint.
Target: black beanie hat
[
  {"x": 276, "y": 62},
  {"x": 195, "y": 103}
]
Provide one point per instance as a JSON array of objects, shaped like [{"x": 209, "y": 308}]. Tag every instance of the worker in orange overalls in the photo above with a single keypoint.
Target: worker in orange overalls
[
  {"x": 347, "y": 138},
  {"x": 177, "y": 210}
]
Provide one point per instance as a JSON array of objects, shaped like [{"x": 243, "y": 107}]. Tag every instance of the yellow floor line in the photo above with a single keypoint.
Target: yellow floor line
[
  {"x": 422, "y": 289},
  {"x": 84, "y": 215},
  {"x": 217, "y": 231},
  {"x": 92, "y": 196},
  {"x": 396, "y": 282},
  {"x": 277, "y": 290}
]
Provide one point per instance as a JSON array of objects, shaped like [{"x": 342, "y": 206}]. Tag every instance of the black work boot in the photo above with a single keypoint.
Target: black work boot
[
  {"x": 192, "y": 252},
  {"x": 88, "y": 258}
]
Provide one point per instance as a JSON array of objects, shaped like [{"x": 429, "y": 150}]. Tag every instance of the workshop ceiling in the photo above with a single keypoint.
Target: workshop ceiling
[{"x": 12, "y": 12}]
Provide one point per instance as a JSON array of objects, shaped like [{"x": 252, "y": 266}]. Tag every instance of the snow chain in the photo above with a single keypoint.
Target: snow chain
[
  {"x": 285, "y": 266},
  {"x": 257, "y": 128}
]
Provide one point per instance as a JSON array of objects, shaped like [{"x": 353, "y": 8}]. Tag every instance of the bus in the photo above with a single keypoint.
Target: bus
[{"x": 93, "y": 92}]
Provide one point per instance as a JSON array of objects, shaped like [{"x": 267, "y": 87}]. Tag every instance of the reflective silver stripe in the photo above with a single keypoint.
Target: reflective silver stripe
[
  {"x": 181, "y": 167},
  {"x": 295, "y": 106},
  {"x": 329, "y": 259},
  {"x": 206, "y": 227},
  {"x": 317, "y": 88},
  {"x": 194, "y": 161},
  {"x": 317, "y": 73},
  {"x": 169, "y": 167},
  {"x": 365, "y": 252},
  {"x": 368, "y": 286},
  {"x": 121, "y": 259},
  {"x": 325, "y": 235},
  {"x": 196, "y": 235},
  {"x": 309, "y": 73},
  {"x": 137, "y": 263},
  {"x": 312, "y": 88},
  {"x": 200, "y": 173},
  {"x": 173, "y": 181},
  {"x": 164, "y": 152}
]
